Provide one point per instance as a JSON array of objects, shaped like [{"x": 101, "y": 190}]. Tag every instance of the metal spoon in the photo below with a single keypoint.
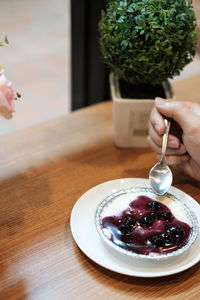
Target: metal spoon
[{"x": 160, "y": 175}]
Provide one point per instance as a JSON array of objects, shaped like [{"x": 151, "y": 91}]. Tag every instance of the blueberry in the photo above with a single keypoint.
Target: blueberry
[
  {"x": 146, "y": 220},
  {"x": 176, "y": 230},
  {"x": 126, "y": 225},
  {"x": 124, "y": 229},
  {"x": 157, "y": 241},
  {"x": 155, "y": 205},
  {"x": 166, "y": 215},
  {"x": 168, "y": 238},
  {"x": 154, "y": 215}
]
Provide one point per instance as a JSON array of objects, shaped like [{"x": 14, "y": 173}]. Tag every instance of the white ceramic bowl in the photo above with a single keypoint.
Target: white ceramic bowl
[{"x": 116, "y": 202}]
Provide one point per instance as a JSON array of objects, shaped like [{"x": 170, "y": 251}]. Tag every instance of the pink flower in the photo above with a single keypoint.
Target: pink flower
[{"x": 7, "y": 97}]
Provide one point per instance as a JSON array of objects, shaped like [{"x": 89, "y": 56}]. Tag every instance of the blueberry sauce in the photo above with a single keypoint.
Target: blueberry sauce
[{"x": 147, "y": 226}]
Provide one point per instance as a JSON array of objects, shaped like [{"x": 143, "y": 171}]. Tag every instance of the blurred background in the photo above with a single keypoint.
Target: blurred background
[{"x": 38, "y": 58}]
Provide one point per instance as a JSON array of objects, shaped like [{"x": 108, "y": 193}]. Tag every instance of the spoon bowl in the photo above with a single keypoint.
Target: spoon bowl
[{"x": 160, "y": 176}]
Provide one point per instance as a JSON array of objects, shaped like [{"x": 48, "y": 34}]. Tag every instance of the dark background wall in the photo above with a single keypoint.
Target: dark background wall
[{"x": 89, "y": 74}]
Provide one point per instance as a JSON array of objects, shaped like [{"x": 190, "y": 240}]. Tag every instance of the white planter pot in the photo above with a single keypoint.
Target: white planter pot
[{"x": 130, "y": 118}]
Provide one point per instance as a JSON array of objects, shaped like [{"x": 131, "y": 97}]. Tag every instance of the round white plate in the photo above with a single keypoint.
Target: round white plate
[{"x": 88, "y": 240}]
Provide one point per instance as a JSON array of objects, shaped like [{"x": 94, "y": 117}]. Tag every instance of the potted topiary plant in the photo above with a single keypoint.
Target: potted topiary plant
[{"x": 144, "y": 43}]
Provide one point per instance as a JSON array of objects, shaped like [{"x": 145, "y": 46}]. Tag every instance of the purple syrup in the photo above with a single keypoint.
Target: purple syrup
[{"x": 147, "y": 226}]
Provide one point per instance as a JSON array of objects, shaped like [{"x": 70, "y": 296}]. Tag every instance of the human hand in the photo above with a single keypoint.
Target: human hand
[
  {"x": 183, "y": 153},
  {"x": 7, "y": 97}
]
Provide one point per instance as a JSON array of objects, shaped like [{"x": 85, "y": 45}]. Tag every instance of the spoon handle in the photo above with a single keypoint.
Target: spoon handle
[
  {"x": 165, "y": 138},
  {"x": 169, "y": 95}
]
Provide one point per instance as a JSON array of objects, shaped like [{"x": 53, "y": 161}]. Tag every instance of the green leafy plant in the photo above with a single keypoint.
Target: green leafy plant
[{"x": 147, "y": 41}]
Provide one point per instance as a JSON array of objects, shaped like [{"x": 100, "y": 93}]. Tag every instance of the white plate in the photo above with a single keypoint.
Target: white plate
[{"x": 88, "y": 240}]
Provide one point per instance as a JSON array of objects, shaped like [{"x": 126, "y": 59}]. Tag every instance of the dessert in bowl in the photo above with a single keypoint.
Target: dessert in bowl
[{"x": 138, "y": 223}]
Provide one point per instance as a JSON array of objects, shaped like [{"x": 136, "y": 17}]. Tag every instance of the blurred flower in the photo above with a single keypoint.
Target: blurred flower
[
  {"x": 7, "y": 97},
  {"x": 7, "y": 94}
]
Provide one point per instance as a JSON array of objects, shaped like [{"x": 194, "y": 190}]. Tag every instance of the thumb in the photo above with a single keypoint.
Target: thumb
[{"x": 180, "y": 112}]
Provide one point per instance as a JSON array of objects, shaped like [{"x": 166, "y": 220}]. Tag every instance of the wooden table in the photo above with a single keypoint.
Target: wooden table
[{"x": 44, "y": 170}]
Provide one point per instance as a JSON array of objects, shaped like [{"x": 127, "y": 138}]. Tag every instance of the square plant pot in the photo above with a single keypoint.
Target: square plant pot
[{"x": 130, "y": 116}]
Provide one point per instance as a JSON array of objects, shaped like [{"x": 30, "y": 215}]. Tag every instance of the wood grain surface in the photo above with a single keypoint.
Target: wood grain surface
[{"x": 44, "y": 170}]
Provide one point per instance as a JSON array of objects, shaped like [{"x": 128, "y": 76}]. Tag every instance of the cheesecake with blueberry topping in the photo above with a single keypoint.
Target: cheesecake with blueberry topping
[{"x": 146, "y": 226}]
